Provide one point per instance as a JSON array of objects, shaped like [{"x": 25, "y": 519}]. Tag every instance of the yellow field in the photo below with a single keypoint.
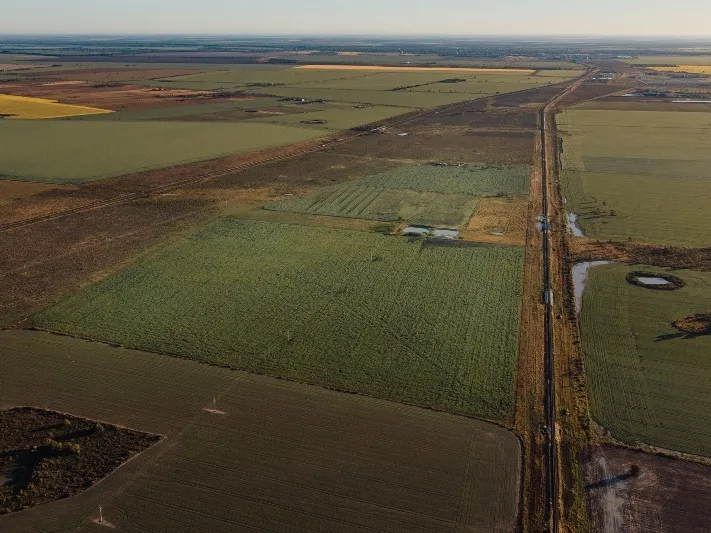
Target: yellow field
[
  {"x": 691, "y": 69},
  {"x": 416, "y": 69},
  {"x": 24, "y": 107}
]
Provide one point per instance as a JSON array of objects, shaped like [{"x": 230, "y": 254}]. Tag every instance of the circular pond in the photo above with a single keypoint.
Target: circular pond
[{"x": 654, "y": 280}]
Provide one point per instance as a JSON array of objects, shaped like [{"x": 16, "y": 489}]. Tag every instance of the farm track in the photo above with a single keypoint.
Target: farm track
[{"x": 160, "y": 189}]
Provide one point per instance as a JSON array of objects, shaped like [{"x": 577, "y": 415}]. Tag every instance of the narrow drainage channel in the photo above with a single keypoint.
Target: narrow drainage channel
[
  {"x": 580, "y": 277},
  {"x": 573, "y": 227}
]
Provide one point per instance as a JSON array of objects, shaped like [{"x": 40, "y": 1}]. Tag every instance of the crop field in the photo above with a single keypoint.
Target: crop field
[
  {"x": 691, "y": 69},
  {"x": 419, "y": 194},
  {"x": 670, "y": 60},
  {"x": 75, "y": 151},
  {"x": 378, "y": 203},
  {"x": 334, "y": 117},
  {"x": 387, "y": 86},
  {"x": 21, "y": 107},
  {"x": 274, "y": 453},
  {"x": 471, "y": 179},
  {"x": 279, "y": 287},
  {"x": 638, "y": 174},
  {"x": 647, "y": 380}
]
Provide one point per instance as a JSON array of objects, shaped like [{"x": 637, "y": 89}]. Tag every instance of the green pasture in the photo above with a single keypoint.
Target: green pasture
[
  {"x": 638, "y": 174},
  {"x": 470, "y": 179},
  {"x": 388, "y": 205},
  {"x": 647, "y": 381},
  {"x": 76, "y": 151},
  {"x": 336, "y": 116},
  {"x": 430, "y": 324}
]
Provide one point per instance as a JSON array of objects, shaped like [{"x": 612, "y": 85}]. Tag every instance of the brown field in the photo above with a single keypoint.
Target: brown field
[
  {"x": 667, "y": 495},
  {"x": 498, "y": 215},
  {"x": 15, "y": 190},
  {"x": 119, "y": 74},
  {"x": 453, "y": 144},
  {"x": 263, "y": 453},
  {"x": 416, "y": 69},
  {"x": 123, "y": 98},
  {"x": 10, "y": 66}
]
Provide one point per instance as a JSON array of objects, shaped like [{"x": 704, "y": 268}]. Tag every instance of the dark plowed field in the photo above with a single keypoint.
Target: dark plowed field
[
  {"x": 271, "y": 456},
  {"x": 634, "y": 492}
]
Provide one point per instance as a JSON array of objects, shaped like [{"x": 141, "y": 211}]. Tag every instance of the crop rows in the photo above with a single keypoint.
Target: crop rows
[
  {"x": 322, "y": 306},
  {"x": 648, "y": 381}
]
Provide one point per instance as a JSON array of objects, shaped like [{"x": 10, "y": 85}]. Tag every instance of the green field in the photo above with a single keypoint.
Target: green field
[
  {"x": 425, "y": 194},
  {"x": 638, "y": 174},
  {"x": 433, "y": 325},
  {"x": 647, "y": 381},
  {"x": 269, "y": 460},
  {"x": 336, "y": 116},
  {"x": 416, "y": 89},
  {"x": 670, "y": 60},
  {"x": 378, "y": 203},
  {"x": 471, "y": 179},
  {"x": 77, "y": 151}
]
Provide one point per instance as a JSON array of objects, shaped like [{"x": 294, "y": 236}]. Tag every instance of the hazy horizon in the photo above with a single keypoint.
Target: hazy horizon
[{"x": 372, "y": 18}]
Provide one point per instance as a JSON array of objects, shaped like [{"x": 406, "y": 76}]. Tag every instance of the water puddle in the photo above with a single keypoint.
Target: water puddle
[
  {"x": 580, "y": 276},
  {"x": 445, "y": 233},
  {"x": 431, "y": 232},
  {"x": 573, "y": 225},
  {"x": 691, "y": 101},
  {"x": 497, "y": 233},
  {"x": 652, "y": 281},
  {"x": 416, "y": 230}
]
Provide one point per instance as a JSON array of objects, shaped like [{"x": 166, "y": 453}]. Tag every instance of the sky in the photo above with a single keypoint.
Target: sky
[{"x": 359, "y": 17}]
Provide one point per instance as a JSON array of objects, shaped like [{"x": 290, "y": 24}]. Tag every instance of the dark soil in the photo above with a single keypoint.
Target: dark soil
[
  {"x": 674, "y": 282},
  {"x": 638, "y": 492},
  {"x": 47, "y": 456}
]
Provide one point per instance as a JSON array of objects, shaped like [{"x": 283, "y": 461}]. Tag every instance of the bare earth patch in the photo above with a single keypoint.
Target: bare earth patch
[
  {"x": 498, "y": 220},
  {"x": 47, "y": 456}
]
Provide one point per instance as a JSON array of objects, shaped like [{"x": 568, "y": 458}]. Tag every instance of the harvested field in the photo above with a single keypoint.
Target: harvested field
[
  {"x": 638, "y": 174},
  {"x": 665, "y": 495},
  {"x": 21, "y": 107},
  {"x": 77, "y": 151},
  {"x": 498, "y": 220},
  {"x": 691, "y": 69},
  {"x": 451, "y": 144},
  {"x": 77, "y": 249},
  {"x": 648, "y": 380},
  {"x": 282, "y": 453},
  {"x": 15, "y": 190},
  {"x": 48, "y": 456},
  {"x": 671, "y": 60},
  {"x": 121, "y": 98},
  {"x": 452, "y": 347},
  {"x": 379, "y": 203}
]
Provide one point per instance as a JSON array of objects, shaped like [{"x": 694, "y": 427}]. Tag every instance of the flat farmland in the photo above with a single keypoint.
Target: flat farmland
[
  {"x": 670, "y": 60},
  {"x": 638, "y": 174},
  {"x": 419, "y": 194},
  {"x": 21, "y": 107},
  {"x": 259, "y": 297},
  {"x": 77, "y": 151},
  {"x": 450, "y": 144},
  {"x": 388, "y": 86},
  {"x": 648, "y": 381},
  {"x": 280, "y": 453},
  {"x": 667, "y": 495},
  {"x": 378, "y": 203}
]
